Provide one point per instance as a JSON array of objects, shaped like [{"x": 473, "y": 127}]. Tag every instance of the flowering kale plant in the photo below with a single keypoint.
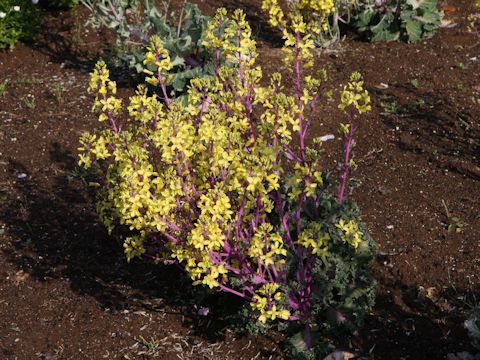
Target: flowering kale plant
[
  {"x": 228, "y": 184},
  {"x": 19, "y": 20},
  {"x": 135, "y": 21}
]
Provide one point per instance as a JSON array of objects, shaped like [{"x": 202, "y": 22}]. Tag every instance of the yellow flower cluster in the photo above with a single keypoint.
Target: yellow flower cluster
[
  {"x": 101, "y": 84},
  {"x": 267, "y": 245},
  {"x": 355, "y": 94},
  {"x": 157, "y": 58},
  {"x": 321, "y": 6},
  {"x": 306, "y": 17},
  {"x": 96, "y": 147},
  {"x": 266, "y": 299},
  {"x": 316, "y": 239},
  {"x": 275, "y": 13},
  {"x": 299, "y": 42},
  {"x": 305, "y": 179},
  {"x": 351, "y": 234},
  {"x": 233, "y": 38},
  {"x": 133, "y": 246}
]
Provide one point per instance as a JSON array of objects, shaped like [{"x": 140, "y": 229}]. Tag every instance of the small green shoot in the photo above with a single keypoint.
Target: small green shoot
[
  {"x": 29, "y": 101},
  {"x": 76, "y": 39},
  {"x": 3, "y": 86},
  {"x": 388, "y": 105},
  {"x": 58, "y": 92},
  {"x": 417, "y": 105},
  {"x": 30, "y": 81},
  {"x": 453, "y": 223},
  {"x": 415, "y": 83},
  {"x": 152, "y": 346}
]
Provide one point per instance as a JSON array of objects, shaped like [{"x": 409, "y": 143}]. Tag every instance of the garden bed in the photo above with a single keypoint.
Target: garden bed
[{"x": 66, "y": 290}]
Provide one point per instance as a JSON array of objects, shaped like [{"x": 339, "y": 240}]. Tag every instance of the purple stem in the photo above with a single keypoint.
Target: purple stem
[
  {"x": 217, "y": 61},
  {"x": 162, "y": 83},
  {"x": 235, "y": 292},
  {"x": 286, "y": 227},
  {"x": 184, "y": 189},
  {"x": 170, "y": 225},
  {"x": 170, "y": 237},
  {"x": 298, "y": 90},
  {"x": 291, "y": 154},
  {"x": 308, "y": 336},
  {"x": 348, "y": 146}
]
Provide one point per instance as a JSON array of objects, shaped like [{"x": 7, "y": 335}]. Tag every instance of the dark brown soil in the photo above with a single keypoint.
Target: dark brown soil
[{"x": 66, "y": 291}]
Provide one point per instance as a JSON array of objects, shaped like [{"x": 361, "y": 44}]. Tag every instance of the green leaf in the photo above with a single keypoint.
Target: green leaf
[
  {"x": 364, "y": 19},
  {"x": 178, "y": 61},
  {"x": 414, "y": 30},
  {"x": 416, "y": 19},
  {"x": 298, "y": 342},
  {"x": 160, "y": 25},
  {"x": 138, "y": 67}
]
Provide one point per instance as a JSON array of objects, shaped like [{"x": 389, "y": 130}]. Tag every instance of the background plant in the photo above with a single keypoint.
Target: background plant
[
  {"x": 57, "y": 4},
  {"x": 452, "y": 223},
  {"x": 474, "y": 21},
  {"x": 228, "y": 185},
  {"x": 19, "y": 21},
  {"x": 135, "y": 21},
  {"x": 404, "y": 20},
  {"x": 473, "y": 327}
]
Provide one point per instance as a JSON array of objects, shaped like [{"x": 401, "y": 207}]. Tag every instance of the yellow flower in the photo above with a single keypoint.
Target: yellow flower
[
  {"x": 351, "y": 234},
  {"x": 354, "y": 94},
  {"x": 316, "y": 239},
  {"x": 266, "y": 300},
  {"x": 306, "y": 17}
]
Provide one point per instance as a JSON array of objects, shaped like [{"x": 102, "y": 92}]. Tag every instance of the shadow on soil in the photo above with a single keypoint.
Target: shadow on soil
[
  {"x": 433, "y": 125},
  {"x": 416, "y": 323},
  {"x": 61, "y": 40},
  {"x": 258, "y": 20},
  {"x": 56, "y": 235},
  {"x": 64, "y": 40}
]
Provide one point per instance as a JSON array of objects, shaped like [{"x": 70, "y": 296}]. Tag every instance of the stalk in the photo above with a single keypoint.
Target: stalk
[{"x": 347, "y": 149}]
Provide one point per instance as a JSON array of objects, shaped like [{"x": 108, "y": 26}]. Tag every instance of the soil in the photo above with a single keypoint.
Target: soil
[{"x": 66, "y": 291}]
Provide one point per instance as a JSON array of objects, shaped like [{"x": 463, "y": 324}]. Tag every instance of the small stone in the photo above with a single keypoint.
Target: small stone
[
  {"x": 203, "y": 311},
  {"x": 327, "y": 137},
  {"x": 461, "y": 356}
]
